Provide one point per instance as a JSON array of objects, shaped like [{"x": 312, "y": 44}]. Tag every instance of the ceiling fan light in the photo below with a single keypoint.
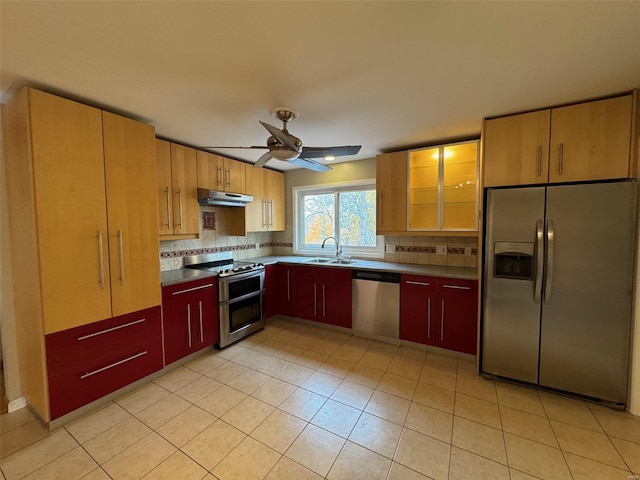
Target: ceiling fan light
[
  {"x": 284, "y": 154},
  {"x": 329, "y": 157}
]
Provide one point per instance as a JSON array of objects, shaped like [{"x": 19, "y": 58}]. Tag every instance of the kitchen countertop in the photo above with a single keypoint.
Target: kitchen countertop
[{"x": 172, "y": 277}]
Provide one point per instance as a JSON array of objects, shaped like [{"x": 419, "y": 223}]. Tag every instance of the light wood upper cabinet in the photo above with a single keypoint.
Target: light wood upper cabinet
[
  {"x": 164, "y": 187},
  {"x": 177, "y": 188},
  {"x": 255, "y": 214},
  {"x": 516, "y": 149},
  {"x": 391, "y": 190},
  {"x": 234, "y": 176},
  {"x": 266, "y": 211},
  {"x": 216, "y": 172},
  {"x": 443, "y": 188},
  {"x": 276, "y": 197},
  {"x": 130, "y": 167},
  {"x": 591, "y": 141},
  {"x": 582, "y": 142}
]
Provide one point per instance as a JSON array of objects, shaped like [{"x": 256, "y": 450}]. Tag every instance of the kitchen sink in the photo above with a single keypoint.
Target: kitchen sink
[
  {"x": 329, "y": 261},
  {"x": 319, "y": 260},
  {"x": 343, "y": 261}
]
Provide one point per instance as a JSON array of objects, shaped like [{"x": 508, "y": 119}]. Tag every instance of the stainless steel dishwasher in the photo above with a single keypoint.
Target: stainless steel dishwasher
[{"x": 376, "y": 302}]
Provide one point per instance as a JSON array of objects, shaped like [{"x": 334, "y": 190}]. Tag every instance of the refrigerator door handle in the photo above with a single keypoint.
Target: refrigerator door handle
[
  {"x": 549, "y": 268},
  {"x": 537, "y": 286}
]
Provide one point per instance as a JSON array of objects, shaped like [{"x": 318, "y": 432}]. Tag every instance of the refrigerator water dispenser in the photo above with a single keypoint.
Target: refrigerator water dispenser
[{"x": 514, "y": 260}]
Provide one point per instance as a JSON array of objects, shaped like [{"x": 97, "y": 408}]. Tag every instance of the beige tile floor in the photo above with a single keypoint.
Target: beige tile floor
[{"x": 301, "y": 402}]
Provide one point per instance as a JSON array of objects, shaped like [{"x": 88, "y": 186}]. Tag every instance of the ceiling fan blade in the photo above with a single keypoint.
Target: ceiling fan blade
[
  {"x": 310, "y": 164},
  {"x": 252, "y": 147},
  {"x": 262, "y": 160},
  {"x": 280, "y": 135},
  {"x": 319, "y": 152}
]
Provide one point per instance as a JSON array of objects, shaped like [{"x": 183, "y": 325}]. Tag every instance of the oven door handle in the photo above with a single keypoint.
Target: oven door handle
[{"x": 243, "y": 297}]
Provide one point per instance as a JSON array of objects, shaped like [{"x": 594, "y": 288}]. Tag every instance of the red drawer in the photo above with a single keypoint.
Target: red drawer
[
  {"x": 89, "y": 362},
  {"x": 185, "y": 287},
  {"x": 83, "y": 345}
]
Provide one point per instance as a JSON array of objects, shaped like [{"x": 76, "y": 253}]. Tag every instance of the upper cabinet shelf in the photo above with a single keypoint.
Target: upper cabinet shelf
[{"x": 584, "y": 142}]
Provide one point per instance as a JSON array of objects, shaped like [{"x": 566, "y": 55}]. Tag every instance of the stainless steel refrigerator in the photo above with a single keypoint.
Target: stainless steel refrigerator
[{"x": 557, "y": 286}]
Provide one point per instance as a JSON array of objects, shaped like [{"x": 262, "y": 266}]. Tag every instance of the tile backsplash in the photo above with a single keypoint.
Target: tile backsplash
[
  {"x": 214, "y": 237},
  {"x": 453, "y": 251}
]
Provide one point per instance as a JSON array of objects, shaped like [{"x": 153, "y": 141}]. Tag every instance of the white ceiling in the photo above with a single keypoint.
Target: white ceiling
[{"x": 386, "y": 75}]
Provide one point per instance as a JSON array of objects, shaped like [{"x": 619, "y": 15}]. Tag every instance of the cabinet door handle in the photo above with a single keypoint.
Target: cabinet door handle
[
  {"x": 166, "y": 190},
  {"x": 180, "y": 205},
  {"x": 189, "y": 323},
  {"x": 315, "y": 297},
  {"x": 429, "y": 317},
  {"x": 270, "y": 213},
  {"x": 442, "y": 322},
  {"x": 323, "y": 303},
  {"x": 112, "y": 329},
  {"x": 115, "y": 364},
  {"x": 380, "y": 209},
  {"x": 120, "y": 243},
  {"x": 180, "y": 292},
  {"x": 228, "y": 176},
  {"x": 539, "y": 160},
  {"x": 411, "y": 282},
  {"x": 288, "y": 287},
  {"x": 560, "y": 158},
  {"x": 201, "y": 333},
  {"x": 264, "y": 214},
  {"x": 456, "y": 287},
  {"x": 101, "y": 259},
  {"x": 219, "y": 175}
]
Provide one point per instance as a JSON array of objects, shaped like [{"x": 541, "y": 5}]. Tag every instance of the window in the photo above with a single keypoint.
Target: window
[{"x": 345, "y": 211}]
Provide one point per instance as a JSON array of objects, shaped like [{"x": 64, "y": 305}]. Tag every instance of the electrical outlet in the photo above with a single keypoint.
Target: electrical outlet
[
  {"x": 441, "y": 250},
  {"x": 467, "y": 251},
  {"x": 257, "y": 246},
  {"x": 390, "y": 249}
]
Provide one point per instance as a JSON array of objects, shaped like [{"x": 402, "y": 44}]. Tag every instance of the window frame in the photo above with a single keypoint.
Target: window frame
[{"x": 300, "y": 248}]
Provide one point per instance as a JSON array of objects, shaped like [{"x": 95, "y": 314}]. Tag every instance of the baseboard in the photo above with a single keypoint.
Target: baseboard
[{"x": 16, "y": 404}]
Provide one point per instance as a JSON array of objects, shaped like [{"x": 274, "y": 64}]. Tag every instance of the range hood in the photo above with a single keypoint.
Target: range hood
[{"x": 214, "y": 198}]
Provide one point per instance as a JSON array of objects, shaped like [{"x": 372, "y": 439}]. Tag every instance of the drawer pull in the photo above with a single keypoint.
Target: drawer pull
[
  {"x": 84, "y": 337},
  {"x": 93, "y": 372},
  {"x": 411, "y": 282},
  {"x": 457, "y": 287},
  {"x": 193, "y": 289}
]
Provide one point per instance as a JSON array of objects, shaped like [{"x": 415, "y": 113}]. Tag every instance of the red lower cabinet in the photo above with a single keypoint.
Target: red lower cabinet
[
  {"x": 88, "y": 362},
  {"x": 270, "y": 298},
  {"x": 284, "y": 290},
  {"x": 189, "y": 317},
  {"x": 439, "y": 311},
  {"x": 323, "y": 294},
  {"x": 458, "y": 315},
  {"x": 418, "y": 308}
]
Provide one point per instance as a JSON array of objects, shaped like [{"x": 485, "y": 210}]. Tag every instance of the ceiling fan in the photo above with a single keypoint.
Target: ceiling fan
[{"x": 286, "y": 147}]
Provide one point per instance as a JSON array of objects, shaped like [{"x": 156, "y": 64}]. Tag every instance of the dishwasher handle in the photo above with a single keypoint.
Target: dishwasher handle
[{"x": 375, "y": 276}]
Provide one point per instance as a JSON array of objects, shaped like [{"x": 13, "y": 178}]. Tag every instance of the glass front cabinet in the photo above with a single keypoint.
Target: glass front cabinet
[{"x": 443, "y": 187}]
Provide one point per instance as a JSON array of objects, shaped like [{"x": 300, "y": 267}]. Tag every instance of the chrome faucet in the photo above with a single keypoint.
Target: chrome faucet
[{"x": 338, "y": 249}]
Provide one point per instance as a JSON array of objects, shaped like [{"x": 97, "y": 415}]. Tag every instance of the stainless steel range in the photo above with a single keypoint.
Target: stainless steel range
[{"x": 240, "y": 289}]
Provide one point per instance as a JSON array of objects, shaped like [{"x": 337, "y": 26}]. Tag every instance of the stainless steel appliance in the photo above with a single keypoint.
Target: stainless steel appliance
[
  {"x": 376, "y": 302},
  {"x": 222, "y": 199},
  {"x": 558, "y": 276},
  {"x": 240, "y": 290}
]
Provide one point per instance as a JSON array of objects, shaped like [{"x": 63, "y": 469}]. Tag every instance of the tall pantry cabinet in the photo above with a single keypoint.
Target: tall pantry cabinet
[{"x": 81, "y": 191}]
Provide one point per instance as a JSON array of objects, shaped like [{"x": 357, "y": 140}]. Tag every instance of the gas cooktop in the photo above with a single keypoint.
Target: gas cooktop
[{"x": 220, "y": 263}]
